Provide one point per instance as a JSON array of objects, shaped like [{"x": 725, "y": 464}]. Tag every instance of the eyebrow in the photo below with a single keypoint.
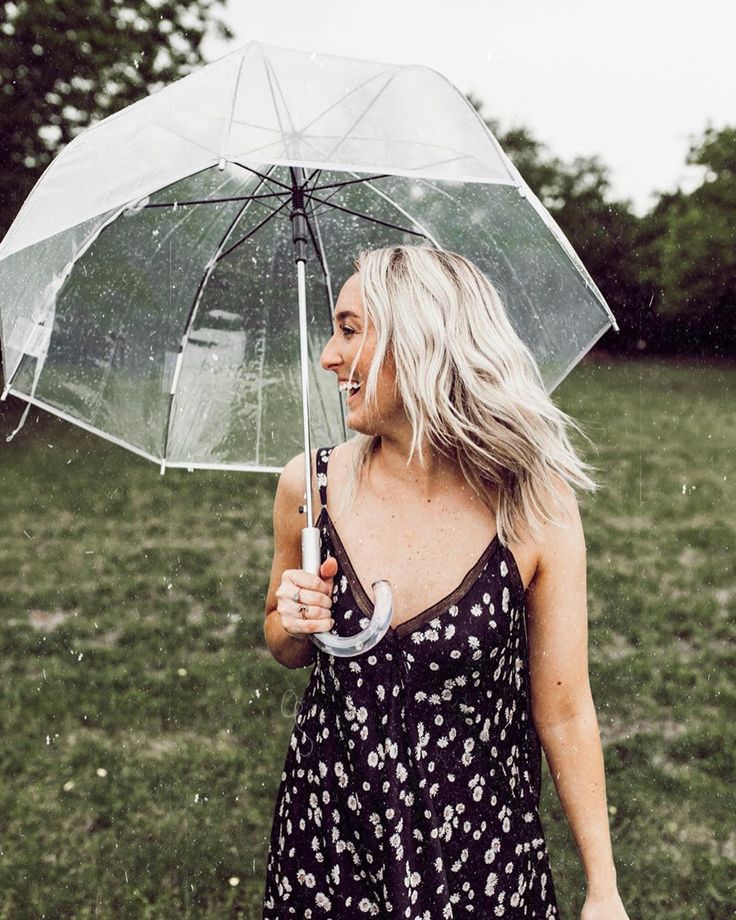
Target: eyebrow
[{"x": 343, "y": 313}]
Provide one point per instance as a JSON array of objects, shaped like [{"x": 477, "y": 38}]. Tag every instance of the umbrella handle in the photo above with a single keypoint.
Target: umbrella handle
[{"x": 346, "y": 646}]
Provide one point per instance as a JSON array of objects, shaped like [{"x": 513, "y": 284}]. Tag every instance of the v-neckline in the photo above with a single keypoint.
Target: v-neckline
[{"x": 407, "y": 626}]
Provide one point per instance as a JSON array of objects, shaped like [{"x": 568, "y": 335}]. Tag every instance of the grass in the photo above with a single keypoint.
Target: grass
[{"x": 144, "y": 723}]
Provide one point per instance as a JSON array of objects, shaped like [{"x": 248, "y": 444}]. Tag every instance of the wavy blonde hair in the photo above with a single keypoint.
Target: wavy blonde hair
[{"x": 470, "y": 387}]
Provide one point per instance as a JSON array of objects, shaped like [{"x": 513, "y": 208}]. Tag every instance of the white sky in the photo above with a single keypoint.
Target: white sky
[{"x": 630, "y": 81}]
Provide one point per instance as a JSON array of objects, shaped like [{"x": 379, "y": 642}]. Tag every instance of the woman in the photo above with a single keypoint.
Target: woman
[{"x": 411, "y": 782}]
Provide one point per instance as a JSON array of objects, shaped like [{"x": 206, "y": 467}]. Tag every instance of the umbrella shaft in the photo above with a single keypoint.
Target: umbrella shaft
[{"x": 302, "y": 286}]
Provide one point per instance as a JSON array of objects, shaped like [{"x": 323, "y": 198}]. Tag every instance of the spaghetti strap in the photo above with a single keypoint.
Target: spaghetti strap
[{"x": 323, "y": 455}]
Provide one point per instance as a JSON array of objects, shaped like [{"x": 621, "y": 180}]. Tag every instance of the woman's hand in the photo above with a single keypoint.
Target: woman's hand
[
  {"x": 315, "y": 593},
  {"x": 603, "y": 907}
]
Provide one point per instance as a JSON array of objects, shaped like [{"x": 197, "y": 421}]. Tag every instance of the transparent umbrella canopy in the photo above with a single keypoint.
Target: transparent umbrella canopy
[{"x": 148, "y": 286}]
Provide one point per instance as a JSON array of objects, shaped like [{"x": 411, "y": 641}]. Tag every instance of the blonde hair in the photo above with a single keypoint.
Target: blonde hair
[{"x": 470, "y": 386}]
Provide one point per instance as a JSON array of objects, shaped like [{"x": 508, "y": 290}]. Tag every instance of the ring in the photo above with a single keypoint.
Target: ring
[
  {"x": 303, "y": 610},
  {"x": 296, "y": 594}
]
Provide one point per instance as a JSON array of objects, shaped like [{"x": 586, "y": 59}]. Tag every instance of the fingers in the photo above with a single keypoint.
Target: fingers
[
  {"x": 315, "y": 594},
  {"x": 298, "y": 578},
  {"x": 312, "y": 599},
  {"x": 315, "y": 619}
]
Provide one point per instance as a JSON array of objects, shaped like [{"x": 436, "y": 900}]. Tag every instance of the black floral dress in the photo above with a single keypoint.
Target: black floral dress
[{"x": 412, "y": 777}]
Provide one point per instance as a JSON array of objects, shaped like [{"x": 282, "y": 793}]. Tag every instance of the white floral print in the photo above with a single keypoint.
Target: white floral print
[{"x": 411, "y": 781}]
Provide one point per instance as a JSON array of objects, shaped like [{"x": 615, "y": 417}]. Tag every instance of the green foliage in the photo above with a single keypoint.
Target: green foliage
[
  {"x": 698, "y": 251},
  {"x": 65, "y": 65}
]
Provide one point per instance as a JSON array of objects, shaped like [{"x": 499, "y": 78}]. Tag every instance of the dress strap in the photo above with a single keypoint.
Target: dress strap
[{"x": 323, "y": 455}]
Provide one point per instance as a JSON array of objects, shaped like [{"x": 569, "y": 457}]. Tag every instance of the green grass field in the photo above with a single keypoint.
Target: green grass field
[{"x": 144, "y": 723}]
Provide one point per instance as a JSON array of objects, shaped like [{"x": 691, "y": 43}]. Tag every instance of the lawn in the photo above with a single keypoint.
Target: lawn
[{"x": 145, "y": 724}]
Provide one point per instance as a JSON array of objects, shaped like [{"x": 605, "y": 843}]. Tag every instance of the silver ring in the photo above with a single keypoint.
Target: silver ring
[{"x": 296, "y": 594}]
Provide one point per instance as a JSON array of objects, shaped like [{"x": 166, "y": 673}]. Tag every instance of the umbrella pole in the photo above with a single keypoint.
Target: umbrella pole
[{"x": 310, "y": 535}]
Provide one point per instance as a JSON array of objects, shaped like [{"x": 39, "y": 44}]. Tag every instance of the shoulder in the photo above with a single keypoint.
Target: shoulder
[
  {"x": 291, "y": 481},
  {"x": 291, "y": 486},
  {"x": 292, "y": 475},
  {"x": 564, "y": 538}
]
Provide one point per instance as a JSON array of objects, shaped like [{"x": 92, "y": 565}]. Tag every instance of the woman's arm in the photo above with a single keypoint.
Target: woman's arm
[
  {"x": 562, "y": 703},
  {"x": 287, "y": 529}
]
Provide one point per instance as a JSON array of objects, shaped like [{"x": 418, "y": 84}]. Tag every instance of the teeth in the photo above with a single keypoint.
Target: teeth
[{"x": 345, "y": 385}]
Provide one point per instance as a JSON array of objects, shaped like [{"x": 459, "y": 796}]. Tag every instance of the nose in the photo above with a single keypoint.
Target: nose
[{"x": 330, "y": 358}]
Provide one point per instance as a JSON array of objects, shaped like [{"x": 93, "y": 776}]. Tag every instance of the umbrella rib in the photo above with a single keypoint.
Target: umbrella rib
[
  {"x": 436, "y": 163},
  {"x": 266, "y": 177},
  {"x": 252, "y": 124},
  {"x": 252, "y": 150},
  {"x": 181, "y": 204},
  {"x": 374, "y": 220},
  {"x": 269, "y": 72},
  {"x": 251, "y": 232},
  {"x": 342, "y": 99},
  {"x": 362, "y": 115},
  {"x": 319, "y": 188},
  {"x": 229, "y": 126},
  {"x": 190, "y": 319},
  {"x": 327, "y": 199},
  {"x": 401, "y": 210}
]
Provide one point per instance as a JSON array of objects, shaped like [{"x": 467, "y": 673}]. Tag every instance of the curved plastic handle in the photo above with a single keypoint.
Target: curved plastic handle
[{"x": 346, "y": 646}]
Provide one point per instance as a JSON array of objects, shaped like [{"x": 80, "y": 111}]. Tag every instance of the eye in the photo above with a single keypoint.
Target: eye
[{"x": 346, "y": 330}]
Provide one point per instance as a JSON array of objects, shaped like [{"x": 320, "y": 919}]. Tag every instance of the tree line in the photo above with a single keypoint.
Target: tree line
[{"x": 669, "y": 276}]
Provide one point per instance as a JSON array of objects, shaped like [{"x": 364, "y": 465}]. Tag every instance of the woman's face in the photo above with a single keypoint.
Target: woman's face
[{"x": 351, "y": 331}]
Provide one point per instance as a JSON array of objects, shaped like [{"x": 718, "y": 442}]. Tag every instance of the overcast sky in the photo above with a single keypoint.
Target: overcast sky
[{"x": 629, "y": 81}]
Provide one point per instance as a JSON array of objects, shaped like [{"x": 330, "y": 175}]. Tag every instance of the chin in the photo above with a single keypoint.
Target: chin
[{"x": 356, "y": 425}]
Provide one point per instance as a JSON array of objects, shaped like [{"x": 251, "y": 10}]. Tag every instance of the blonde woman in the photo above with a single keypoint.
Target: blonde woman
[{"x": 411, "y": 783}]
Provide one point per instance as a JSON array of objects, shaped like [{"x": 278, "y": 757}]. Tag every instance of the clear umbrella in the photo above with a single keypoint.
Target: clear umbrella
[{"x": 148, "y": 285}]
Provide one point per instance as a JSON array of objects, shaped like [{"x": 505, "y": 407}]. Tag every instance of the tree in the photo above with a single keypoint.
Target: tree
[
  {"x": 698, "y": 248},
  {"x": 603, "y": 232},
  {"x": 65, "y": 64}
]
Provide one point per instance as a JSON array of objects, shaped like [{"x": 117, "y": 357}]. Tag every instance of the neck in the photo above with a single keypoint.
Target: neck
[{"x": 389, "y": 461}]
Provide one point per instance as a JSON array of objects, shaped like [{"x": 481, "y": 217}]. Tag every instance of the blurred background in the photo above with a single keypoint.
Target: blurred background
[{"x": 143, "y": 722}]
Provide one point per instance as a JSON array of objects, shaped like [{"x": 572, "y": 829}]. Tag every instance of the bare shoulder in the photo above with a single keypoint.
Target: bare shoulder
[
  {"x": 292, "y": 475},
  {"x": 290, "y": 489},
  {"x": 564, "y": 540}
]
